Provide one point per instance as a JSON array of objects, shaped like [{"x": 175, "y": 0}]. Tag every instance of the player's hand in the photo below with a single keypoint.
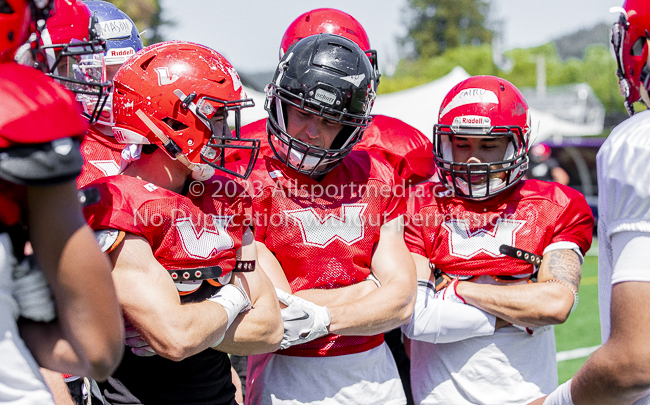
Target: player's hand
[
  {"x": 303, "y": 321},
  {"x": 533, "y": 331},
  {"x": 449, "y": 293},
  {"x": 136, "y": 342},
  {"x": 31, "y": 291}
]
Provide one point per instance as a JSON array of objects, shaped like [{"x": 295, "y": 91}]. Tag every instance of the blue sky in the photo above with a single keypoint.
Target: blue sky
[{"x": 248, "y": 32}]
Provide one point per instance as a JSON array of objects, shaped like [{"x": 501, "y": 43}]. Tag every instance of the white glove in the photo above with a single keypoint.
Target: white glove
[
  {"x": 303, "y": 321},
  {"x": 31, "y": 291},
  {"x": 234, "y": 300},
  {"x": 533, "y": 331},
  {"x": 449, "y": 293}
]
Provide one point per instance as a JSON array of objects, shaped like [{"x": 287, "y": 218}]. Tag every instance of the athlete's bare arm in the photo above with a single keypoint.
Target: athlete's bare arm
[
  {"x": 258, "y": 330},
  {"x": 536, "y": 304},
  {"x": 151, "y": 302},
  {"x": 87, "y": 337},
  {"x": 389, "y": 306}
]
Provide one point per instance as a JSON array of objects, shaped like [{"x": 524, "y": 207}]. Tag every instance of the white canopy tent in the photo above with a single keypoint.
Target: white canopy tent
[{"x": 419, "y": 106}]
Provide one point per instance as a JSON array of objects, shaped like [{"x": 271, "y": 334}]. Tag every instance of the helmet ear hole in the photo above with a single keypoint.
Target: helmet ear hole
[
  {"x": 5, "y": 8},
  {"x": 174, "y": 124},
  {"x": 145, "y": 65}
]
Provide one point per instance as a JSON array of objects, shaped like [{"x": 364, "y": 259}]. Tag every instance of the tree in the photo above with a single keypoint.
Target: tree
[
  {"x": 147, "y": 15},
  {"x": 438, "y": 25}
]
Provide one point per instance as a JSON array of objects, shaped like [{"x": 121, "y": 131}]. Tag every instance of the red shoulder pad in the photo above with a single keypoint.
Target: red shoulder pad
[
  {"x": 405, "y": 148},
  {"x": 34, "y": 108},
  {"x": 254, "y": 130}
]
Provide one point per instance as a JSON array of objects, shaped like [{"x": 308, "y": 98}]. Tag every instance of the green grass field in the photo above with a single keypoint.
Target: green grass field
[{"x": 582, "y": 329}]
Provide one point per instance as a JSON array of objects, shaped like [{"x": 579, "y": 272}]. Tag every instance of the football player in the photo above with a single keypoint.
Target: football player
[
  {"x": 325, "y": 216},
  {"x": 618, "y": 372},
  {"x": 480, "y": 327},
  {"x": 404, "y": 147},
  {"x": 175, "y": 232},
  {"x": 101, "y": 152},
  {"x": 75, "y": 53},
  {"x": 78, "y": 330}
]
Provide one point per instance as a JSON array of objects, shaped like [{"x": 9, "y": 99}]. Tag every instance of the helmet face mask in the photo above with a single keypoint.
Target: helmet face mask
[
  {"x": 75, "y": 54},
  {"x": 329, "y": 77},
  {"x": 22, "y": 21},
  {"x": 122, "y": 42},
  {"x": 630, "y": 36},
  {"x": 162, "y": 97},
  {"x": 482, "y": 107}
]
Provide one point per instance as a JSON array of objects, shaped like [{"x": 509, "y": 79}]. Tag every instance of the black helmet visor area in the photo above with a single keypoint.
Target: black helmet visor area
[
  {"x": 214, "y": 152},
  {"x": 456, "y": 174}
]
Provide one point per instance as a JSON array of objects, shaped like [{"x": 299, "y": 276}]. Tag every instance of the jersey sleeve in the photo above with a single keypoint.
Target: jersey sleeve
[
  {"x": 261, "y": 214},
  {"x": 396, "y": 199},
  {"x": 115, "y": 211},
  {"x": 575, "y": 223},
  {"x": 623, "y": 177}
]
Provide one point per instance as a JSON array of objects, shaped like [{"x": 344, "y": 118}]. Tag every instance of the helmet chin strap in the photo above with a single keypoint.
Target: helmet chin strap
[{"x": 200, "y": 172}]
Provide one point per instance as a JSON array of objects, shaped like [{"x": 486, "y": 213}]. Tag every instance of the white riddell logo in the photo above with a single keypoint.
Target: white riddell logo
[
  {"x": 466, "y": 244},
  {"x": 320, "y": 232},
  {"x": 163, "y": 76},
  {"x": 108, "y": 167},
  {"x": 206, "y": 242}
]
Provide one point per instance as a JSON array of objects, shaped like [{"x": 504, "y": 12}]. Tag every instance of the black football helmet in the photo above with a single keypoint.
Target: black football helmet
[{"x": 328, "y": 76}]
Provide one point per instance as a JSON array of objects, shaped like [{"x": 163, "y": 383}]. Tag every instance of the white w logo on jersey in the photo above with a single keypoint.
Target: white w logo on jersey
[
  {"x": 466, "y": 244},
  {"x": 321, "y": 232},
  {"x": 206, "y": 242},
  {"x": 108, "y": 167},
  {"x": 164, "y": 78}
]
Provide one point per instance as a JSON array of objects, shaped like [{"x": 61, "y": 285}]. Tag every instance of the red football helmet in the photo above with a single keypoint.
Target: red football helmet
[
  {"x": 540, "y": 153},
  {"x": 484, "y": 107},
  {"x": 17, "y": 21},
  {"x": 329, "y": 21},
  {"x": 170, "y": 93},
  {"x": 75, "y": 51},
  {"x": 630, "y": 37}
]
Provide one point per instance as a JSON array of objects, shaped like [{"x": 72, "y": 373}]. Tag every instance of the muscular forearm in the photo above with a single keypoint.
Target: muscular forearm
[
  {"x": 529, "y": 305},
  {"x": 603, "y": 380},
  {"x": 254, "y": 332},
  {"x": 49, "y": 347},
  {"x": 79, "y": 276},
  {"x": 338, "y": 296},
  {"x": 183, "y": 330},
  {"x": 383, "y": 309}
]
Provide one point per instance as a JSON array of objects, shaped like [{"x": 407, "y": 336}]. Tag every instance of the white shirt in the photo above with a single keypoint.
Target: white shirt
[
  {"x": 20, "y": 380},
  {"x": 366, "y": 378},
  {"x": 623, "y": 212},
  {"x": 506, "y": 367}
]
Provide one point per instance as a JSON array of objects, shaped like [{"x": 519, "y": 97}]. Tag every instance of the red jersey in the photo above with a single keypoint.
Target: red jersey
[
  {"x": 405, "y": 148},
  {"x": 184, "y": 232},
  {"x": 34, "y": 109},
  {"x": 324, "y": 233},
  {"x": 462, "y": 237},
  {"x": 102, "y": 157}
]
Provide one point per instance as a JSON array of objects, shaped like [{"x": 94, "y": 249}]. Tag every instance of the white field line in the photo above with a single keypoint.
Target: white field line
[{"x": 575, "y": 353}]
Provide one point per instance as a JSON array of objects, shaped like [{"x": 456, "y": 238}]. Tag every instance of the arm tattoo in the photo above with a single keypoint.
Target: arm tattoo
[{"x": 564, "y": 265}]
